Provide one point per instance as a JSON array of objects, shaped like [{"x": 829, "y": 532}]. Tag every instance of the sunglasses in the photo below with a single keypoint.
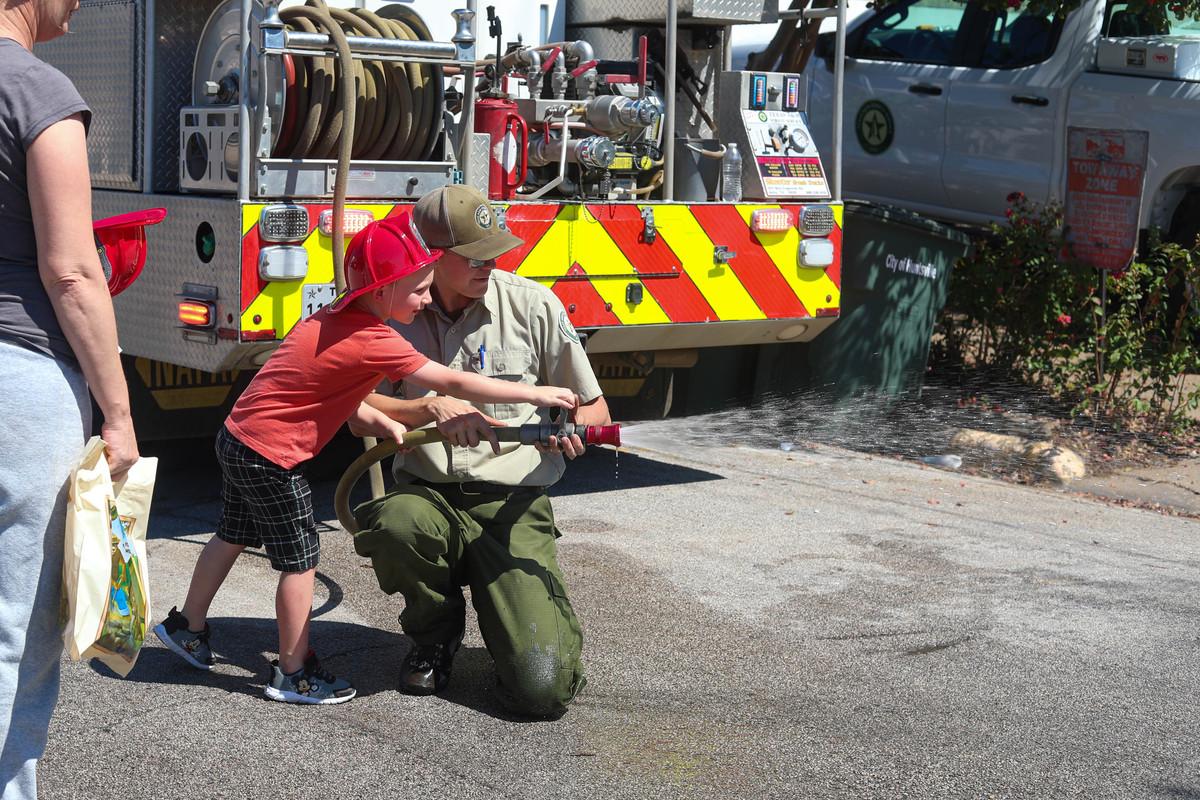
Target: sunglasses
[{"x": 475, "y": 263}]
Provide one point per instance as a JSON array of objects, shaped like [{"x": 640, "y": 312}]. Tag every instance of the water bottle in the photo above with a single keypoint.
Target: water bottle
[{"x": 731, "y": 174}]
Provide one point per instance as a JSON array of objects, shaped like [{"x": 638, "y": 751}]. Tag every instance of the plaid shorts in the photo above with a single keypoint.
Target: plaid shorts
[{"x": 266, "y": 506}]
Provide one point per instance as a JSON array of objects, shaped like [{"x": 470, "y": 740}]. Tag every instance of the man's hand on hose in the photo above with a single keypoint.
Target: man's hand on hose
[
  {"x": 463, "y": 424},
  {"x": 570, "y": 446},
  {"x": 593, "y": 412}
]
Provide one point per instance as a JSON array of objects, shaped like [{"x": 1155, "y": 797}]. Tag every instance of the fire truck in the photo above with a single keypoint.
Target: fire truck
[{"x": 600, "y": 129}]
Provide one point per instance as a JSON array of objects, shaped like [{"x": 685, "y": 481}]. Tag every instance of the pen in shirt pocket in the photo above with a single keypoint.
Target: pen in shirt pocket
[{"x": 482, "y": 356}]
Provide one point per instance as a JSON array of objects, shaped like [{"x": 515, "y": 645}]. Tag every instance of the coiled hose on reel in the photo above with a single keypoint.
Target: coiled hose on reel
[{"x": 398, "y": 105}]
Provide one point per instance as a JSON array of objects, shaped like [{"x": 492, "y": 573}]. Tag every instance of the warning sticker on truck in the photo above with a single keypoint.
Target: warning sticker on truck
[{"x": 790, "y": 176}]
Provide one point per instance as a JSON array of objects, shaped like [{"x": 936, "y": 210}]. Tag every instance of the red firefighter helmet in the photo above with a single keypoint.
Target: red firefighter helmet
[
  {"x": 384, "y": 251},
  {"x": 121, "y": 245}
]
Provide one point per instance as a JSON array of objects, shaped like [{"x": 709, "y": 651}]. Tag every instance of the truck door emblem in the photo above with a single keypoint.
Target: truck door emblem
[{"x": 874, "y": 127}]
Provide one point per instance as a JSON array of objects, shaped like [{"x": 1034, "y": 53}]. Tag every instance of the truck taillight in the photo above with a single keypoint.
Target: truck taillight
[
  {"x": 770, "y": 220},
  {"x": 353, "y": 221},
  {"x": 196, "y": 314},
  {"x": 816, "y": 220},
  {"x": 283, "y": 223}
]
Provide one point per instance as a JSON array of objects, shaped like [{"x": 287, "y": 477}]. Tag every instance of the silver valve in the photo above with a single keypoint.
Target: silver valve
[
  {"x": 463, "y": 38},
  {"x": 592, "y": 152},
  {"x": 597, "y": 152},
  {"x": 271, "y": 28},
  {"x": 614, "y": 113},
  {"x": 645, "y": 112}
]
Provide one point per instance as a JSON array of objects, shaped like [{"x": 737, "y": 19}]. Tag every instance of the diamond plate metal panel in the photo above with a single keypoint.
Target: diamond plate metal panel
[
  {"x": 146, "y": 310},
  {"x": 481, "y": 146},
  {"x": 617, "y": 12},
  {"x": 103, "y": 58},
  {"x": 177, "y": 28},
  {"x": 608, "y": 43}
]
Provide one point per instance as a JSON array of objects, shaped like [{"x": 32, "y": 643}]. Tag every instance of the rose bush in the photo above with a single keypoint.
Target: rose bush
[{"x": 1021, "y": 307}]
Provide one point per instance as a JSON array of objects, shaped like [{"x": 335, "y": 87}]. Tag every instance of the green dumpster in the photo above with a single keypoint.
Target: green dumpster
[{"x": 895, "y": 275}]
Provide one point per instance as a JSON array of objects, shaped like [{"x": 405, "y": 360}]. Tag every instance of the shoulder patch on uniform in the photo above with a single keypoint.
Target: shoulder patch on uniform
[
  {"x": 483, "y": 216},
  {"x": 567, "y": 328}
]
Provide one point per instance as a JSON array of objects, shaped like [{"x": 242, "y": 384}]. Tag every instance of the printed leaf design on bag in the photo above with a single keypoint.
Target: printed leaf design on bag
[{"x": 123, "y": 627}]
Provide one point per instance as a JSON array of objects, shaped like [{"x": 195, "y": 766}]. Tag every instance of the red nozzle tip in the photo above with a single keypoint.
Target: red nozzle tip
[{"x": 603, "y": 434}]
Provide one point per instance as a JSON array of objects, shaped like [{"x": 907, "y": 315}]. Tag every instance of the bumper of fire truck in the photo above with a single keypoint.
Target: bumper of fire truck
[{"x": 227, "y": 280}]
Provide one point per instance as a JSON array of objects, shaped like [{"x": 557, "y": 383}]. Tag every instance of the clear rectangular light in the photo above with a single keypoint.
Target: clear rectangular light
[
  {"x": 353, "y": 221},
  {"x": 283, "y": 223},
  {"x": 282, "y": 263},
  {"x": 816, "y": 253},
  {"x": 770, "y": 220}
]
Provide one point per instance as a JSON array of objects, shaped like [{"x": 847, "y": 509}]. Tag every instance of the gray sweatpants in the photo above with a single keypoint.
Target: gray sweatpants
[{"x": 46, "y": 416}]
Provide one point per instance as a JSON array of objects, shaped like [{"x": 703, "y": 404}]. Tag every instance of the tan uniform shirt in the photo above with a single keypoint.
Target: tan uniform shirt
[{"x": 518, "y": 331}]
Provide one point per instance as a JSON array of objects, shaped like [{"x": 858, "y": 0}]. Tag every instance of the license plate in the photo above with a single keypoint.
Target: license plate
[{"x": 315, "y": 297}]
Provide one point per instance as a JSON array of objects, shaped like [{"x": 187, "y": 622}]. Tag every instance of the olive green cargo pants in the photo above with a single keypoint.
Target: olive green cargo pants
[{"x": 427, "y": 543}]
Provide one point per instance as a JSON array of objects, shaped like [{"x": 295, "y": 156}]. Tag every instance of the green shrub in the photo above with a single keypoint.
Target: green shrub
[{"x": 1021, "y": 307}]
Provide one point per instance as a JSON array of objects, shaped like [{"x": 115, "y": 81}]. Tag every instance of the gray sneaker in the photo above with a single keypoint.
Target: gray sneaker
[
  {"x": 190, "y": 646},
  {"x": 311, "y": 685}
]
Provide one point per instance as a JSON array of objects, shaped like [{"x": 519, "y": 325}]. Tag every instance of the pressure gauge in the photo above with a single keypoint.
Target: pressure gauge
[{"x": 800, "y": 139}]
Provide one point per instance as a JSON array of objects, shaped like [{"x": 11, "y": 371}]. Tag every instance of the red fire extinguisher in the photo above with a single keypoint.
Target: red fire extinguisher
[{"x": 508, "y": 160}]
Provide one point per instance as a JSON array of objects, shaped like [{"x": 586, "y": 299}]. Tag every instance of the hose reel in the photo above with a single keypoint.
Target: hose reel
[{"x": 398, "y": 104}]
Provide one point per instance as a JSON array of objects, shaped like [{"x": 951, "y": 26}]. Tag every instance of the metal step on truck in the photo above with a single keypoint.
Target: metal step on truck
[{"x": 601, "y": 129}]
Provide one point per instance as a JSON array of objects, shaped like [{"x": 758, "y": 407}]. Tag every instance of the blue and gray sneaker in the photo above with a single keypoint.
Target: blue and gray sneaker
[
  {"x": 191, "y": 646},
  {"x": 310, "y": 684}
]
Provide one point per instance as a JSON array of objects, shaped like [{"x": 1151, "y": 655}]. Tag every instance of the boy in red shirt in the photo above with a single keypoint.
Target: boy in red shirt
[{"x": 313, "y": 384}]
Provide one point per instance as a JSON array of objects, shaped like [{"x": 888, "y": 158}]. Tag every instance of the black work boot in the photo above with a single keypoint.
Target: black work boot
[{"x": 426, "y": 668}]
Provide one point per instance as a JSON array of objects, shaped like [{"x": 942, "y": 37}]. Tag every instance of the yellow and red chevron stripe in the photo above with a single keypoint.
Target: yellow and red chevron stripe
[{"x": 589, "y": 254}]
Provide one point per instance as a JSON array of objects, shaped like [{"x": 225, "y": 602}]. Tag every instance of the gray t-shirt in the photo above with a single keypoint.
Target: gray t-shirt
[{"x": 33, "y": 96}]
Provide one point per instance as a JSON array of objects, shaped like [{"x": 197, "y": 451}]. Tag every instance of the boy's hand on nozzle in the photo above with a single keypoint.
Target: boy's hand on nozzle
[{"x": 554, "y": 397}]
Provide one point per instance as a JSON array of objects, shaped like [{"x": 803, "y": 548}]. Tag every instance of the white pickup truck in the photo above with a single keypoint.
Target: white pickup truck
[{"x": 950, "y": 107}]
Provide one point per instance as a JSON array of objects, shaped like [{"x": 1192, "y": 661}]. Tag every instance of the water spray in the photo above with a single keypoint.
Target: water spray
[{"x": 534, "y": 433}]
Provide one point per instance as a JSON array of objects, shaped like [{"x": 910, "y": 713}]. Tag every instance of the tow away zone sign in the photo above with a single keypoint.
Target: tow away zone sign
[{"x": 1106, "y": 170}]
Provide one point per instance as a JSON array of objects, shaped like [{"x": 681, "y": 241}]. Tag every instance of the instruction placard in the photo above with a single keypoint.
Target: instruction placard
[
  {"x": 1106, "y": 170},
  {"x": 788, "y": 176}
]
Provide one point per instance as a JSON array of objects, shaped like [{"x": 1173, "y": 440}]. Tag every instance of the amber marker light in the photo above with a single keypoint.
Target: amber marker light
[{"x": 196, "y": 314}]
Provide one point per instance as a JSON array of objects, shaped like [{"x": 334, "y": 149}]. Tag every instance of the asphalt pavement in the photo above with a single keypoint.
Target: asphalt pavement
[{"x": 762, "y": 624}]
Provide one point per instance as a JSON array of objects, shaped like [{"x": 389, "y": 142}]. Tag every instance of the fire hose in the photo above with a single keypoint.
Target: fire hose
[
  {"x": 397, "y": 105},
  {"x": 524, "y": 434}
]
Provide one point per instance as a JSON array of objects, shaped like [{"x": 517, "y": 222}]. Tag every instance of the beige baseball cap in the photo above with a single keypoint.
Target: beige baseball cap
[{"x": 460, "y": 219}]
